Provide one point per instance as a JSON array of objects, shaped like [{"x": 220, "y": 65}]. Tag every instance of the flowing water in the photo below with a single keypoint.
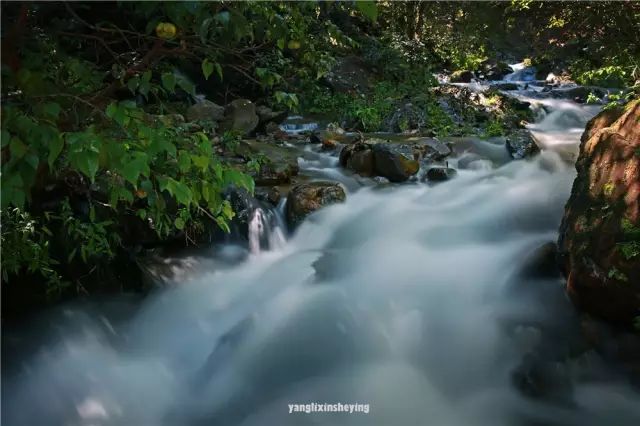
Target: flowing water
[{"x": 413, "y": 299}]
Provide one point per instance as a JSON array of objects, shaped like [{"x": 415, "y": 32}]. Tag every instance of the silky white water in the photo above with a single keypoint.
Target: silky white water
[{"x": 404, "y": 298}]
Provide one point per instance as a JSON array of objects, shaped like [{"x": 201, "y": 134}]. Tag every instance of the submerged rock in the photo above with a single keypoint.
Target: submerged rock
[
  {"x": 205, "y": 111},
  {"x": 599, "y": 240},
  {"x": 307, "y": 198},
  {"x": 521, "y": 144}
]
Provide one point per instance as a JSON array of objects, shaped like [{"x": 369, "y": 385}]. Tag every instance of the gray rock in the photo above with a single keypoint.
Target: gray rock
[
  {"x": 306, "y": 198},
  {"x": 440, "y": 174},
  {"x": 461, "y": 76},
  {"x": 205, "y": 111},
  {"x": 240, "y": 115},
  {"x": 395, "y": 162},
  {"x": 520, "y": 144}
]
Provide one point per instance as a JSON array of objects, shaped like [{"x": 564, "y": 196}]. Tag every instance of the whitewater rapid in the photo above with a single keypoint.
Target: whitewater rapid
[{"x": 408, "y": 298}]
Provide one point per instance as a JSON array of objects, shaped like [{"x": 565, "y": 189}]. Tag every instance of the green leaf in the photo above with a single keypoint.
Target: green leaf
[
  {"x": 179, "y": 223},
  {"x": 281, "y": 43},
  {"x": 207, "y": 68},
  {"x": 55, "y": 148},
  {"x": 187, "y": 86},
  {"x": 5, "y": 138},
  {"x": 146, "y": 77},
  {"x": 133, "y": 84},
  {"x": 368, "y": 9},
  {"x": 51, "y": 110},
  {"x": 169, "y": 81},
  {"x": 219, "y": 70},
  {"x": 86, "y": 162},
  {"x": 17, "y": 148},
  {"x": 184, "y": 161},
  {"x": 137, "y": 165}
]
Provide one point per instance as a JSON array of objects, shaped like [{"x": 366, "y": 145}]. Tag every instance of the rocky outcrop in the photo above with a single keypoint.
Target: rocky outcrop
[
  {"x": 240, "y": 115},
  {"x": 492, "y": 70},
  {"x": 307, "y": 198},
  {"x": 205, "y": 111},
  {"x": 599, "y": 240},
  {"x": 350, "y": 74}
]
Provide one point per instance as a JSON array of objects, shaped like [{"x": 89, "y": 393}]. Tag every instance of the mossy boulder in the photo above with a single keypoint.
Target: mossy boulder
[
  {"x": 599, "y": 240},
  {"x": 306, "y": 198}
]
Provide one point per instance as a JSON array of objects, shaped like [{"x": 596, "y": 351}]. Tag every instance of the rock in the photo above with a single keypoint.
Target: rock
[
  {"x": 405, "y": 118},
  {"x": 169, "y": 120},
  {"x": 279, "y": 165},
  {"x": 205, "y": 111},
  {"x": 240, "y": 115},
  {"x": 439, "y": 174},
  {"x": 395, "y": 162},
  {"x": 350, "y": 74},
  {"x": 271, "y": 195},
  {"x": 505, "y": 86},
  {"x": 599, "y": 241},
  {"x": 329, "y": 144},
  {"x": 266, "y": 115},
  {"x": 520, "y": 144},
  {"x": 580, "y": 94},
  {"x": 307, "y": 198},
  {"x": 272, "y": 128},
  {"x": 358, "y": 158},
  {"x": 461, "y": 76},
  {"x": 495, "y": 70}
]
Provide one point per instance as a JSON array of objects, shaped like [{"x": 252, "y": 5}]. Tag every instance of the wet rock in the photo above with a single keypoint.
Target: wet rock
[
  {"x": 435, "y": 149},
  {"x": 494, "y": 70},
  {"x": 580, "y": 94},
  {"x": 306, "y": 198},
  {"x": 395, "y": 162},
  {"x": 520, "y": 144},
  {"x": 271, "y": 195},
  {"x": 541, "y": 262},
  {"x": 240, "y": 115},
  {"x": 505, "y": 86},
  {"x": 599, "y": 240},
  {"x": 461, "y": 76},
  {"x": 541, "y": 378},
  {"x": 440, "y": 174},
  {"x": 358, "y": 158},
  {"x": 205, "y": 111},
  {"x": 272, "y": 128}
]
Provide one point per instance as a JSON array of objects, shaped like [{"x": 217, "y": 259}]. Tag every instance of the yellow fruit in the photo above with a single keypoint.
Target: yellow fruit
[
  {"x": 166, "y": 30},
  {"x": 293, "y": 45}
]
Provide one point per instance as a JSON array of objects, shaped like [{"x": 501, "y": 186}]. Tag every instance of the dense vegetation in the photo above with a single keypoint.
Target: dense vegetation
[{"x": 93, "y": 149}]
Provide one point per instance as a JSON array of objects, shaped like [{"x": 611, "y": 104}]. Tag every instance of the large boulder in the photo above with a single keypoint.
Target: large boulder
[
  {"x": 395, "y": 162},
  {"x": 405, "y": 118},
  {"x": 306, "y": 198},
  {"x": 350, "y": 74},
  {"x": 599, "y": 242},
  {"x": 205, "y": 111},
  {"x": 240, "y": 115}
]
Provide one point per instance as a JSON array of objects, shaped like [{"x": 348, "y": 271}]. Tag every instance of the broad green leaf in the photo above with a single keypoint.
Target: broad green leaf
[
  {"x": 51, "y": 110},
  {"x": 17, "y": 148},
  {"x": 281, "y": 43},
  {"x": 169, "y": 81},
  {"x": 219, "y": 70},
  {"x": 207, "y": 68},
  {"x": 55, "y": 148},
  {"x": 184, "y": 161},
  {"x": 187, "y": 86},
  {"x": 368, "y": 9},
  {"x": 133, "y": 84}
]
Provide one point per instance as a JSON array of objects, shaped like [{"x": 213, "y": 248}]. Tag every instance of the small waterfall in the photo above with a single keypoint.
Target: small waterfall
[
  {"x": 265, "y": 230},
  {"x": 297, "y": 124},
  {"x": 521, "y": 73}
]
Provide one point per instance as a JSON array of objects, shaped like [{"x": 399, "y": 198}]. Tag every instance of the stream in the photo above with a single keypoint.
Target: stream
[{"x": 416, "y": 299}]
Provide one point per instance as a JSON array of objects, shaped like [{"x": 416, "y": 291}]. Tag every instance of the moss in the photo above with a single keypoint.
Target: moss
[{"x": 608, "y": 188}]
